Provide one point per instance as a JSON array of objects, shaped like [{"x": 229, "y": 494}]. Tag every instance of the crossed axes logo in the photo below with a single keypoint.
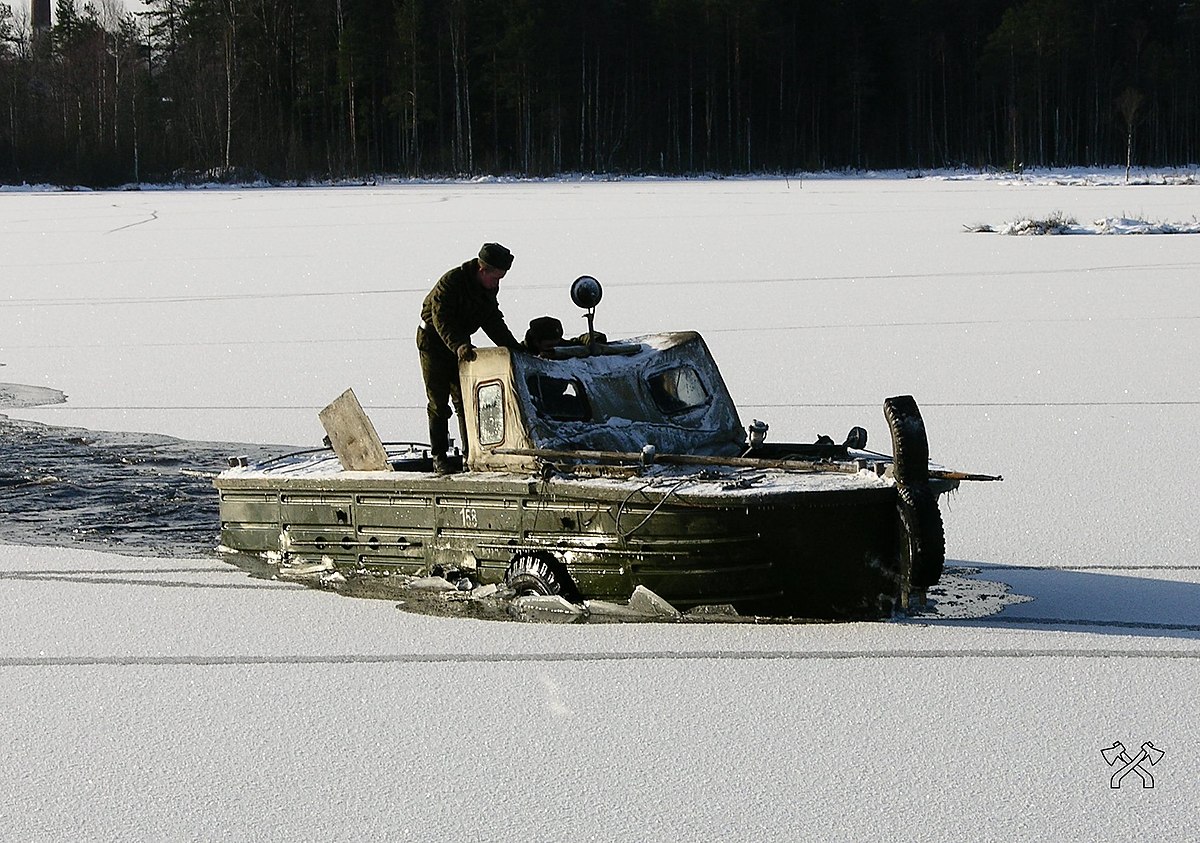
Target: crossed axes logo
[{"x": 1116, "y": 754}]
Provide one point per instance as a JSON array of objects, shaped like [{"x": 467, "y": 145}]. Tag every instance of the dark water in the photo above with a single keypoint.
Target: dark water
[
  {"x": 132, "y": 493},
  {"x": 150, "y": 495}
]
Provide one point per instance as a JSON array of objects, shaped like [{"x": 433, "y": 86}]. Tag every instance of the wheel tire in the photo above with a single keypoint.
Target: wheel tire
[
  {"x": 910, "y": 445},
  {"x": 922, "y": 536},
  {"x": 538, "y": 573}
]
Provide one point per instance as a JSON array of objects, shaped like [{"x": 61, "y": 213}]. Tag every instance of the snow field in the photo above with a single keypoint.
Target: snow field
[{"x": 181, "y": 700}]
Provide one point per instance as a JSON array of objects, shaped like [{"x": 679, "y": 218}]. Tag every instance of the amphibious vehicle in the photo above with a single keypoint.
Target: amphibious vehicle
[{"x": 607, "y": 465}]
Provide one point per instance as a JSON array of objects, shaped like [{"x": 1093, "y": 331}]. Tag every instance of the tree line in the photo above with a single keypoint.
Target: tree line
[{"x": 303, "y": 89}]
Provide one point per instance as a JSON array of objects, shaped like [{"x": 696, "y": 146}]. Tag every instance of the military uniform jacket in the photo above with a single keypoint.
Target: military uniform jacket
[{"x": 457, "y": 307}]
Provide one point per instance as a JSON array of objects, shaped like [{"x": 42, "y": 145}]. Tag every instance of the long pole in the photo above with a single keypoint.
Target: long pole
[{"x": 842, "y": 467}]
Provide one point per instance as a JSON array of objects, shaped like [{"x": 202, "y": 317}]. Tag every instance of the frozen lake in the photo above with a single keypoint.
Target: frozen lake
[{"x": 178, "y": 699}]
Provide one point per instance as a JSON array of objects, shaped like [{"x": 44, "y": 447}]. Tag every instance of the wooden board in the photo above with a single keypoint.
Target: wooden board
[{"x": 352, "y": 435}]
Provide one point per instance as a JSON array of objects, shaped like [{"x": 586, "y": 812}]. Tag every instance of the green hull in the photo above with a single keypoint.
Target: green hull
[{"x": 824, "y": 553}]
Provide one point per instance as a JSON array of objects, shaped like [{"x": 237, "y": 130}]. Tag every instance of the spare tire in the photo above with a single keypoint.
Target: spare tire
[
  {"x": 910, "y": 445},
  {"x": 922, "y": 536}
]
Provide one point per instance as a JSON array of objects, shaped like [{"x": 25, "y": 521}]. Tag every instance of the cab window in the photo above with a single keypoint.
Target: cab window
[
  {"x": 558, "y": 398},
  {"x": 490, "y": 400},
  {"x": 677, "y": 390}
]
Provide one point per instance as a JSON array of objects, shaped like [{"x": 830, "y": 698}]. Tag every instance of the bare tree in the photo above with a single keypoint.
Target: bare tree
[{"x": 1129, "y": 103}]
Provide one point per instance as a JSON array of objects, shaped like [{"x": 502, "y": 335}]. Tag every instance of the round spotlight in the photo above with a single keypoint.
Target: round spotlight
[{"x": 586, "y": 292}]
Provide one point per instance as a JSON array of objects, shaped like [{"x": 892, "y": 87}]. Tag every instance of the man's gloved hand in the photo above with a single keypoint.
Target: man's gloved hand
[{"x": 466, "y": 353}]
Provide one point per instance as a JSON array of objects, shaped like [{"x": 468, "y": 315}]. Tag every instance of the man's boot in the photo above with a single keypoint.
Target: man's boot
[{"x": 441, "y": 465}]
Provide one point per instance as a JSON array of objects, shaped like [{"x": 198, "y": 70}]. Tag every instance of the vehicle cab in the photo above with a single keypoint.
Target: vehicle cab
[{"x": 662, "y": 390}]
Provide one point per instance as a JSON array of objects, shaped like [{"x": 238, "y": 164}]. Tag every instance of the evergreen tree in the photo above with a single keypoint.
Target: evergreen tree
[{"x": 335, "y": 88}]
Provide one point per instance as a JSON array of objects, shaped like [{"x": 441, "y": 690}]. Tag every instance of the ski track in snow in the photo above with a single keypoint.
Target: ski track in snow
[
  {"x": 547, "y": 658},
  {"x": 125, "y": 301}
]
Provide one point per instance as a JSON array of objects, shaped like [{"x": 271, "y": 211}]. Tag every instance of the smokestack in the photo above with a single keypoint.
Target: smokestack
[{"x": 41, "y": 14}]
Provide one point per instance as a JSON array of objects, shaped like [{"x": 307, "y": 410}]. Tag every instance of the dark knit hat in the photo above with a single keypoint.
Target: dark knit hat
[
  {"x": 493, "y": 254},
  {"x": 542, "y": 329}
]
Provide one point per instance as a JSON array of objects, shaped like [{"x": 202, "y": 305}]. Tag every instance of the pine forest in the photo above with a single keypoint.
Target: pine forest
[{"x": 94, "y": 94}]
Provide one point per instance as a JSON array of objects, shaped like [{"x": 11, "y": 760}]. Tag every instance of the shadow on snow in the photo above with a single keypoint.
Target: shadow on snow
[{"x": 1095, "y": 599}]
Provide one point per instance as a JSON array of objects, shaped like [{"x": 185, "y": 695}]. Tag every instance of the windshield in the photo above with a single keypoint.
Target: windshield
[{"x": 677, "y": 390}]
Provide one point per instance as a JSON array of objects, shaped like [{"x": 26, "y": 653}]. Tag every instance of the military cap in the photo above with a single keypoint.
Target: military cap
[
  {"x": 493, "y": 254},
  {"x": 543, "y": 329}
]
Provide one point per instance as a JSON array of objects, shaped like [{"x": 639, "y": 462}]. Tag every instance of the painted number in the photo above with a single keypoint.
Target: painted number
[{"x": 470, "y": 518}]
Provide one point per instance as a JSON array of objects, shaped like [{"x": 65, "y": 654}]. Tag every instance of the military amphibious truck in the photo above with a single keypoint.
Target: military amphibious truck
[{"x": 602, "y": 467}]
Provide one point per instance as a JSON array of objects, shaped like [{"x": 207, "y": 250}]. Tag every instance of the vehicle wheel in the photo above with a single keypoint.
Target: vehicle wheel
[
  {"x": 910, "y": 445},
  {"x": 538, "y": 573},
  {"x": 922, "y": 536}
]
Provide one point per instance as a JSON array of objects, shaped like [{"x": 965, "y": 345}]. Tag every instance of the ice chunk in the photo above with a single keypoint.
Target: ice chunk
[
  {"x": 432, "y": 584},
  {"x": 482, "y": 591},
  {"x": 646, "y": 602},
  {"x": 713, "y": 610},
  {"x": 326, "y": 564},
  {"x": 547, "y": 608},
  {"x": 602, "y": 610}
]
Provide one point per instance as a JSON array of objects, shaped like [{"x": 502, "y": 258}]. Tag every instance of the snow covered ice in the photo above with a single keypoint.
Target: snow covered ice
[{"x": 178, "y": 698}]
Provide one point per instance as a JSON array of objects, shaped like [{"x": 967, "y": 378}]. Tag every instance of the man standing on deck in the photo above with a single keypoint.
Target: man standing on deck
[{"x": 460, "y": 303}]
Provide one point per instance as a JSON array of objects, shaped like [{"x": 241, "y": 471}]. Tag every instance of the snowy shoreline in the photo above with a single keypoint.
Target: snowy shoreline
[{"x": 1183, "y": 174}]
